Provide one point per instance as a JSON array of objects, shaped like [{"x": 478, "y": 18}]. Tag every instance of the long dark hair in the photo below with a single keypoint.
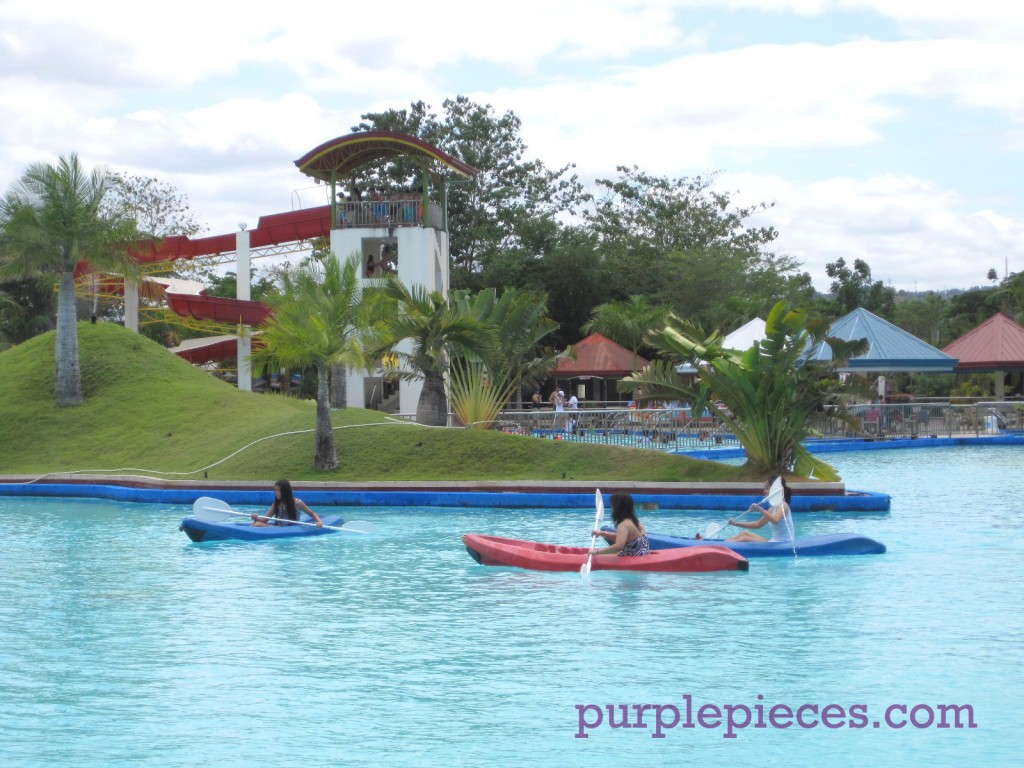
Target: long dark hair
[
  {"x": 284, "y": 507},
  {"x": 622, "y": 509}
]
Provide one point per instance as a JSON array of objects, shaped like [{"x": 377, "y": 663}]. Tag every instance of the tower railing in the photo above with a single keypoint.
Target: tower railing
[{"x": 405, "y": 212}]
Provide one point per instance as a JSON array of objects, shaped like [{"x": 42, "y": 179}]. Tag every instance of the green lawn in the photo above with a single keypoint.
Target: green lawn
[{"x": 148, "y": 410}]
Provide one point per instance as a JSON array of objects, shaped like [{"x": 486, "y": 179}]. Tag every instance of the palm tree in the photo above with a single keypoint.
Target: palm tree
[
  {"x": 316, "y": 321},
  {"x": 435, "y": 331},
  {"x": 626, "y": 322},
  {"x": 766, "y": 394},
  {"x": 520, "y": 323},
  {"x": 51, "y": 221}
]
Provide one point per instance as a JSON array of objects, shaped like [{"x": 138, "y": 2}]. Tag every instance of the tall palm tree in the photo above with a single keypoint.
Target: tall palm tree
[
  {"x": 424, "y": 331},
  {"x": 316, "y": 321},
  {"x": 51, "y": 220},
  {"x": 766, "y": 395}
]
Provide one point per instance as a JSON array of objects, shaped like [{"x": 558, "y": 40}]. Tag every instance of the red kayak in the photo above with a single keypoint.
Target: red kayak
[{"x": 495, "y": 550}]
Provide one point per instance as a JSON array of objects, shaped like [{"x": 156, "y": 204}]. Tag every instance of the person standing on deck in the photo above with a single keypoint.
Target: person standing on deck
[{"x": 557, "y": 400}]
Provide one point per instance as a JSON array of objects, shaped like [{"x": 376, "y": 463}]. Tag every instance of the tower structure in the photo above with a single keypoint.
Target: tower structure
[{"x": 389, "y": 206}]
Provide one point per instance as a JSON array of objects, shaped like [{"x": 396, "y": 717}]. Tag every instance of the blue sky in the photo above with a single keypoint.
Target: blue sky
[{"x": 887, "y": 130}]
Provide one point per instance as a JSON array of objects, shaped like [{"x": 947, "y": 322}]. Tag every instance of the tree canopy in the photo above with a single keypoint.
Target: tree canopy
[
  {"x": 853, "y": 288},
  {"x": 157, "y": 207},
  {"x": 504, "y": 207},
  {"x": 688, "y": 247}
]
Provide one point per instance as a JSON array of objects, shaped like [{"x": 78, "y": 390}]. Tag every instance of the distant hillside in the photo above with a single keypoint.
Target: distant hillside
[{"x": 146, "y": 409}]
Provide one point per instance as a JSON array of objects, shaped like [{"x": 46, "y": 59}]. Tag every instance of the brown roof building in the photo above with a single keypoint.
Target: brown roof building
[{"x": 601, "y": 359}]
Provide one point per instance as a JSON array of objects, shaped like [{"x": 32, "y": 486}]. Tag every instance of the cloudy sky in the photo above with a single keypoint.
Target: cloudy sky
[{"x": 888, "y": 130}]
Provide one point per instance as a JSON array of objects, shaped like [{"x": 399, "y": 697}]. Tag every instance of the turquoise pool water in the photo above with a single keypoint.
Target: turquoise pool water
[{"x": 122, "y": 644}]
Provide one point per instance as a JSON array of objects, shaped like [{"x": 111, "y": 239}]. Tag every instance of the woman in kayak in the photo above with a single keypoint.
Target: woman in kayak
[
  {"x": 780, "y": 518},
  {"x": 629, "y": 537},
  {"x": 285, "y": 508}
]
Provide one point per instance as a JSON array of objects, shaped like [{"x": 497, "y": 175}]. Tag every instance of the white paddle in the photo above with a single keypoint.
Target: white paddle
[
  {"x": 598, "y": 517},
  {"x": 215, "y": 510},
  {"x": 774, "y": 498}
]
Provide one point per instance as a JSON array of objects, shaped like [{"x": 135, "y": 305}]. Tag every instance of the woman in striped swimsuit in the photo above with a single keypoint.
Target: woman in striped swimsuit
[{"x": 629, "y": 537}]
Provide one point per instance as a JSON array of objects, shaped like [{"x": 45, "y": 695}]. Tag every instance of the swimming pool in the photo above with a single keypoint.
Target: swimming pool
[{"x": 122, "y": 644}]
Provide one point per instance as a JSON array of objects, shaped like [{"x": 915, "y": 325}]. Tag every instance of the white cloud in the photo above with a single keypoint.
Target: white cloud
[
  {"x": 220, "y": 99},
  {"x": 913, "y": 235}
]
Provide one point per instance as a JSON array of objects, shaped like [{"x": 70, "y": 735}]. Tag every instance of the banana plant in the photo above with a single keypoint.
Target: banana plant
[{"x": 766, "y": 394}]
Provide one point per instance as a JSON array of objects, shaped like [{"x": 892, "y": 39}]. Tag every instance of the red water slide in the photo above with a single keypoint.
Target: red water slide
[{"x": 273, "y": 230}]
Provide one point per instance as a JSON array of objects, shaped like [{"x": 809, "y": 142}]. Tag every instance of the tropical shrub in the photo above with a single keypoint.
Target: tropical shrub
[{"x": 766, "y": 394}]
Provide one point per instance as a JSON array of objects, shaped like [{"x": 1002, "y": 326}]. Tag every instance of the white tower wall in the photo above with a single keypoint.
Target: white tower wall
[{"x": 422, "y": 260}]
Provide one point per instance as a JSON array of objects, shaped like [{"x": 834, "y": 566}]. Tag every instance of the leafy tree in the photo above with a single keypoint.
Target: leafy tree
[
  {"x": 425, "y": 332},
  {"x": 159, "y": 210},
  {"x": 966, "y": 311},
  {"x": 316, "y": 321},
  {"x": 28, "y": 308},
  {"x": 574, "y": 278},
  {"x": 769, "y": 280},
  {"x": 509, "y": 207},
  {"x": 51, "y": 220},
  {"x": 157, "y": 207},
  {"x": 922, "y": 317},
  {"x": 261, "y": 284},
  {"x": 765, "y": 394},
  {"x": 1008, "y": 298},
  {"x": 687, "y": 246},
  {"x": 853, "y": 288}
]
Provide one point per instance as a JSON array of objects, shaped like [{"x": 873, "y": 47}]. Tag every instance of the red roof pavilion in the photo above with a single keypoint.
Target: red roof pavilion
[
  {"x": 995, "y": 345},
  {"x": 598, "y": 355}
]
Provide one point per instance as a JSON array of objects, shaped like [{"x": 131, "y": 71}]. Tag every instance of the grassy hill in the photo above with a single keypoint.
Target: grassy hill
[{"x": 147, "y": 410}]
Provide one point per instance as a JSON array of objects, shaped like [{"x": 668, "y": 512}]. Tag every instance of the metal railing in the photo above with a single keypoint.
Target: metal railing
[
  {"x": 664, "y": 429},
  {"x": 387, "y": 213},
  {"x": 929, "y": 419},
  {"x": 677, "y": 429}
]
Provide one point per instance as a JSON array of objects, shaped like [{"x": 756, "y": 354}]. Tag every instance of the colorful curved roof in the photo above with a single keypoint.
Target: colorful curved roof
[
  {"x": 345, "y": 155},
  {"x": 995, "y": 345}
]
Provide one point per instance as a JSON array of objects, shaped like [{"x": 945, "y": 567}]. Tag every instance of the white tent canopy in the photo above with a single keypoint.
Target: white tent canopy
[{"x": 741, "y": 339}]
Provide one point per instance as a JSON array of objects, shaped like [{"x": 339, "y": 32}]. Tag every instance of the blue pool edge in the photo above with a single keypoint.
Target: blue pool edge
[
  {"x": 571, "y": 494},
  {"x": 650, "y": 495}
]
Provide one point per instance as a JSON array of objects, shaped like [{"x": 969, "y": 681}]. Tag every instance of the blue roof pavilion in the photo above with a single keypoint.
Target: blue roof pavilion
[{"x": 892, "y": 349}]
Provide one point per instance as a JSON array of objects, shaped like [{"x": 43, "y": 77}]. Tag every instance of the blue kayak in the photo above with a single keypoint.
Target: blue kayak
[
  {"x": 243, "y": 529},
  {"x": 805, "y": 546}
]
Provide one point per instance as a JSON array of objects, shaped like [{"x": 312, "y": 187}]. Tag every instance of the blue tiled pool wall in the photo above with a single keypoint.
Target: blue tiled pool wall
[{"x": 854, "y": 501}]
